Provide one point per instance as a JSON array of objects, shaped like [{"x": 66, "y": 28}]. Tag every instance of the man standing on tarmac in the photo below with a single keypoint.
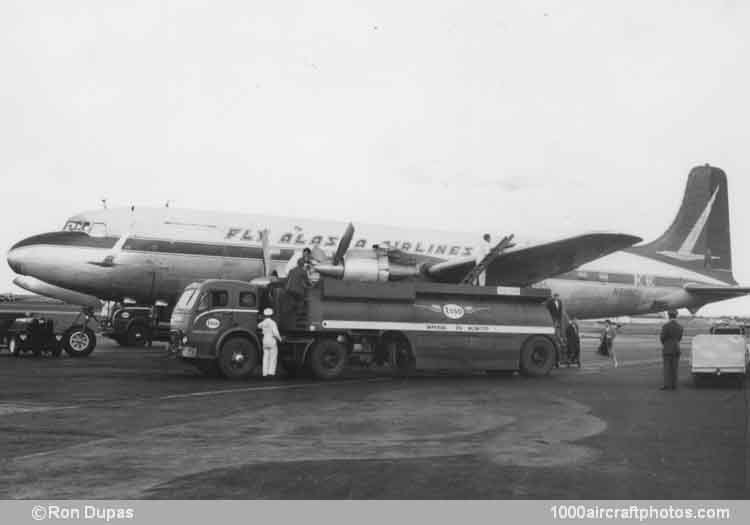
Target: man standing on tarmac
[
  {"x": 671, "y": 335},
  {"x": 270, "y": 338}
]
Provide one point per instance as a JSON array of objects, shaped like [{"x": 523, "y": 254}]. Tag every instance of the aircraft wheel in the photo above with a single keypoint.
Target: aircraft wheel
[
  {"x": 328, "y": 359},
  {"x": 137, "y": 335},
  {"x": 538, "y": 356},
  {"x": 238, "y": 358},
  {"x": 79, "y": 341}
]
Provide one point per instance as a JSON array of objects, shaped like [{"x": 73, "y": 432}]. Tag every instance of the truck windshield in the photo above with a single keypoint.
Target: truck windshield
[{"x": 187, "y": 298}]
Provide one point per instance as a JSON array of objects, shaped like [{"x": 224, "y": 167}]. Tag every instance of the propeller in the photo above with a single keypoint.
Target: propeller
[
  {"x": 266, "y": 253},
  {"x": 343, "y": 246}
]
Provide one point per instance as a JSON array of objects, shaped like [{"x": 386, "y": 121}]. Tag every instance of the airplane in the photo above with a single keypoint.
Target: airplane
[{"x": 146, "y": 255}]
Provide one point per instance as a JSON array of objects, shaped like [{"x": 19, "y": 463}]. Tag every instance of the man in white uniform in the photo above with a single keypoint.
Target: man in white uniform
[{"x": 270, "y": 338}]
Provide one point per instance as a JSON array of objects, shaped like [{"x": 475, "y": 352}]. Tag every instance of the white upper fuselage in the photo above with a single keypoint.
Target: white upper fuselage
[{"x": 157, "y": 252}]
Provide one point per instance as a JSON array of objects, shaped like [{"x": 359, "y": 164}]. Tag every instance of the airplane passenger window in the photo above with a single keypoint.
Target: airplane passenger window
[{"x": 247, "y": 300}]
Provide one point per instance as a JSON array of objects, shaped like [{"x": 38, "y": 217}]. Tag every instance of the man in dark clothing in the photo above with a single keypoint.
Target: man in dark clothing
[
  {"x": 296, "y": 283},
  {"x": 671, "y": 334},
  {"x": 554, "y": 305},
  {"x": 573, "y": 339}
]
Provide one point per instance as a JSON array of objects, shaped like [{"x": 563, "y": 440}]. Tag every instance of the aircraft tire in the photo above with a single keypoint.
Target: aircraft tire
[
  {"x": 79, "y": 341},
  {"x": 327, "y": 359},
  {"x": 137, "y": 335},
  {"x": 538, "y": 355},
  {"x": 237, "y": 358}
]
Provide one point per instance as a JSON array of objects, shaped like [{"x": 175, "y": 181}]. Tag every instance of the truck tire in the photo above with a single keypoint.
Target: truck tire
[
  {"x": 538, "y": 355},
  {"x": 327, "y": 359},
  {"x": 400, "y": 356},
  {"x": 79, "y": 341},
  {"x": 237, "y": 358},
  {"x": 137, "y": 335}
]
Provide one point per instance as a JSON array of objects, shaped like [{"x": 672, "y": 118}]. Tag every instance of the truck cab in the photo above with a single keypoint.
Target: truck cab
[
  {"x": 214, "y": 326},
  {"x": 136, "y": 325}
]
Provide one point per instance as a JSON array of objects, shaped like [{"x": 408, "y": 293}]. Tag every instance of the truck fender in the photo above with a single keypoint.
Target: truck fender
[{"x": 243, "y": 332}]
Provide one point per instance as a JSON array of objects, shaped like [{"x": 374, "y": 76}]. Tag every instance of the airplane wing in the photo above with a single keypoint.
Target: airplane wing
[
  {"x": 714, "y": 293},
  {"x": 522, "y": 266}
]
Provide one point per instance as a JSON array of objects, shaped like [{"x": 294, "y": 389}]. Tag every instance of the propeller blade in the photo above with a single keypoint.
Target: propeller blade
[
  {"x": 266, "y": 253},
  {"x": 343, "y": 246}
]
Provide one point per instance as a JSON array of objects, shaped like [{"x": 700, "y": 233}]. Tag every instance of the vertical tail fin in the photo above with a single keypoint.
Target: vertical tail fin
[{"x": 699, "y": 238}]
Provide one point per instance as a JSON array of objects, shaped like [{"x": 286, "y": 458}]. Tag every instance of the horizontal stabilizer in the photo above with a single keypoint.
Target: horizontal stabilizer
[{"x": 715, "y": 293}]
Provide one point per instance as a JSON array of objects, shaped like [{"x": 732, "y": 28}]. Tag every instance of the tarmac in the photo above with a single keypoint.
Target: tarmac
[{"x": 135, "y": 423}]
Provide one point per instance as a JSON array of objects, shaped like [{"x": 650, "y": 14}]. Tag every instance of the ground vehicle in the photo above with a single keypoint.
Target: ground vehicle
[
  {"x": 67, "y": 321},
  {"x": 410, "y": 324},
  {"x": 136, "y": 325},
  {"x": 724, "y": 351},
  {"x": 33, "y": 335}
]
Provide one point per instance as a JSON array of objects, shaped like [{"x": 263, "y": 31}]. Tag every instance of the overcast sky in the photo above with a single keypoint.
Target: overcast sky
[{"x": 554, "y": 116}]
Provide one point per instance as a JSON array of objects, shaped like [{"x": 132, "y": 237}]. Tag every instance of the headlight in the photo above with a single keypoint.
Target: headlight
[
  {"x": 22, "y": 337},
  {"x": 184, "y": 340},
  {"x": 58, "y": 337},
  {"x": 125, "y": 315}
]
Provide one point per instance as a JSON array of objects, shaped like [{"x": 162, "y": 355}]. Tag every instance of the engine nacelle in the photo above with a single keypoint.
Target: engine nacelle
[{"x": 376, "y": 268}]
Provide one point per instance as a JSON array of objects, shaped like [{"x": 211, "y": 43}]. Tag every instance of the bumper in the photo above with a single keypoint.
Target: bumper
[{"x": 721, "y": 370}]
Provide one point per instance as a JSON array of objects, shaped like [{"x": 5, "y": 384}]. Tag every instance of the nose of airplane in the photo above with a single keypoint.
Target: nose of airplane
[{"x": 15, "y": 261}]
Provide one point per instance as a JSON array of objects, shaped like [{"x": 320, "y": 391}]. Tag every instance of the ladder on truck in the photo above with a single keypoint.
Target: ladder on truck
[{"x": 494, "y": 253}]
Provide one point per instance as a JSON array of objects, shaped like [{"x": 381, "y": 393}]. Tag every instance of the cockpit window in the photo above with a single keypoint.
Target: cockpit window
[
  {"x": 77, "y": 226},
  {"x": 98, "y": 229}
]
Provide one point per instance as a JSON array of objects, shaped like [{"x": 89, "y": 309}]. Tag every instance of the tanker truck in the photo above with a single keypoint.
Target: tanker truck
[{"x": 409, "y": 325}]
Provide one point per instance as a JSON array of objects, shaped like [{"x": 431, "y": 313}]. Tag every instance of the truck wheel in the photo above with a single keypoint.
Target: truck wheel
[
  {"x": 537, "y": 356},
  {"x": 137, "y": 335},
  {"x": 79, "y": 341},
  {"x": 237, "y": 358},
  {"x": 327, "y": 359},
  {"x": 400, "y": 356}
]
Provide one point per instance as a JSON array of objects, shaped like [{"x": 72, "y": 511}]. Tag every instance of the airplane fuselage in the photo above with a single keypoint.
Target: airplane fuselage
[{"x": 154, "y": 257}]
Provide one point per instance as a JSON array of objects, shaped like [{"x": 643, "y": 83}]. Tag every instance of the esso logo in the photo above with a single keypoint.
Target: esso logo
[
  {"x": 213, "y": 323},
  {"x": 453, "y": 311}
]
